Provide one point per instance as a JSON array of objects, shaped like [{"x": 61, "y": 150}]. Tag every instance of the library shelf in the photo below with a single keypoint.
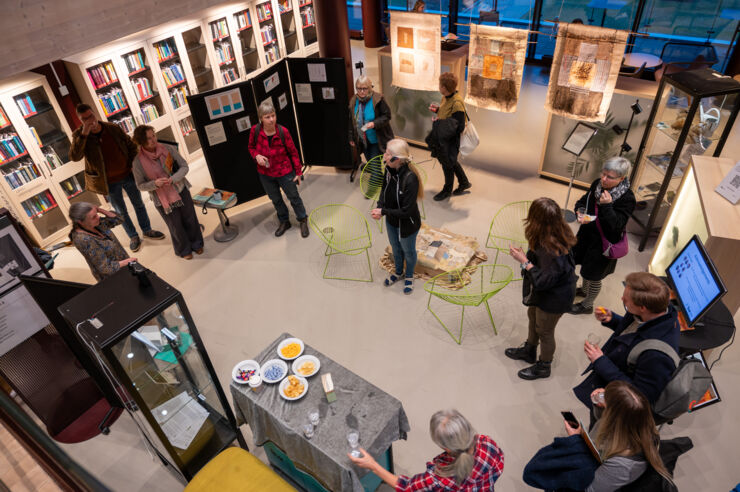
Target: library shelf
[
  {"x": 106, "y": 85},
  {"x": 14, "y": 158},
  {"x": 116, "y": 112},
  {"x": 169, "y": 58},
  {"x": 136, "y": 72},
  {"x": 177, "y": 83}
]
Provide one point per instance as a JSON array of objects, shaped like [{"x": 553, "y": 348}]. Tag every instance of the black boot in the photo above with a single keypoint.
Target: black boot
[
  {"x": 579, "y": 308},
  {"x": 539, "y": 370},
  {"x": 284, "y": 226},
  {"x": 442, "y": 195},
  {"x": 527, "y": 353},
  {"x": 304, "y": 227}
]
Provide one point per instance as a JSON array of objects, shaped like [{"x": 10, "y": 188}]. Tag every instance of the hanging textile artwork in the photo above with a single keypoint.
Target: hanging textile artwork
[
  {"x": 495, "y": 67},
  {"x": 584, "y": 71},
  {"x": 415, "y": 50}
]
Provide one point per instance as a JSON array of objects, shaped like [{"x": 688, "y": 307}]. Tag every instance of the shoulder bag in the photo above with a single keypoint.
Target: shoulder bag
[
  {"x": 613, "y": 251},
  {"x": 469, "y": 138}
]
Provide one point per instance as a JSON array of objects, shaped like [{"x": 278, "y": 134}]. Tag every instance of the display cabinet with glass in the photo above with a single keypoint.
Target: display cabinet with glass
[
  {"x": 268, "y": 33},
  {"x": 224, "y": 50},
  {"x": 148, "y": 342},
  {"x": 199, "y": 62},
  {"x": 288, "y": 25},
  {"x": 187, "y": 129},
  {"x": 692, "y": 115},
  {"x": 111, "y": 96},
  {"x": 172, "y": 71},
  {"x": 140, "y": 76},
  {"x": 308, "y": 24},
  {"x": 247, "y": 40}
]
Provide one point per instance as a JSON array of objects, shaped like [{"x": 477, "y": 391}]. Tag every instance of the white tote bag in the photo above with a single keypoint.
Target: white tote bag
[{"x": 469, "y": 139}]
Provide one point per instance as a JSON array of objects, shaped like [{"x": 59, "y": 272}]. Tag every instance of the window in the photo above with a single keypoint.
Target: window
[
  {"x": 354, "y": 15},
  {"x": 430, "y": 7},
  {"x": 511, "y": 13}
]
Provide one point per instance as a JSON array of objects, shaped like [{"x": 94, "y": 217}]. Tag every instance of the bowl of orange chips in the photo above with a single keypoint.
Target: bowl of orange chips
[
  {"x": 290, "y": 348},
  {"x": 306, "y": 366},
  {"x": 293, "y": 387}
]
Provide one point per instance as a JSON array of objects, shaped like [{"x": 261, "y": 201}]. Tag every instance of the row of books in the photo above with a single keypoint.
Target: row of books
[
  {"x": 306, "y": 3},
  {"x": 25, "y": 104},
  {"x": 26, "y": 172},
  {"x": 186, "y": 126},
  {"x": 52, "y": 159},
  {"x": 126, "y": 123},
  {"x": 10, "y": 146},
  {"x": 219, "y": 29},
  {"x": 102, "y": 75},
  {"x": 243, "y": 19},
  {"x": 268, "y": 34},
  {"x": 307, "y": 16},
  {"x": 284, "y": 6},
  {"x": 272, "y": 53},
  {"x": 39, "y": 204},
  {"x": 165, "y": 49},
  {"x": 4, "y": 121},
  {"x": 72, "y": 186},
  {"x": 224, "y": 52},
  {"x": 112, "y": 101},
  {"x": 173, "y": 74},
  {"x": 134, "y": 61},
  {"x": 229, "y": 75},
  {"x": 149, "y": 113},
  {"x": 143, "y": 88},
  {"x": 179, "y": 96},
  {"x": 264, "y": 12}
]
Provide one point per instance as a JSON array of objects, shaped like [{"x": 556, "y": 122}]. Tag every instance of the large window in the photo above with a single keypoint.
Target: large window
[
  {"x": 354, "y": 14},
  {"x": 511, "y": 13},
  {"x": 430, "y": 7}
]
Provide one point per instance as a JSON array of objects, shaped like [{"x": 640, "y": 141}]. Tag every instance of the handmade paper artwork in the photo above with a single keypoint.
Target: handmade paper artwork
[
  {"x": 584, "y": 71},
  {"x": 415, "y": 50},
  {"x": 495, "y": 67}
]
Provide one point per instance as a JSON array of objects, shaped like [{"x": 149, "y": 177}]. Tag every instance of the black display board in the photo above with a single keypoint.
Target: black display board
[
  {"x": 273, "y": 83},
  {"x": 230, "y": 164},
  {"x": 324, "y": 121}
]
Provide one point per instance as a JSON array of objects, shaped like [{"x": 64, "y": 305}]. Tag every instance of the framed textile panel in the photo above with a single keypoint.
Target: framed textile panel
[
  {"x": 495, "y": 67},
  {"x": 415, "y": 50},
  {"x": 584, "y": 71}
]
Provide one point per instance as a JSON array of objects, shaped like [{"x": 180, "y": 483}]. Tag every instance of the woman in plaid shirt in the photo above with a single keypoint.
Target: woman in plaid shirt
[{"x": 471, "y": 462}]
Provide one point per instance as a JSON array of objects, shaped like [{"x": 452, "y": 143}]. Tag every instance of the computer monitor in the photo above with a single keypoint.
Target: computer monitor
[{"x": 695, "y": 281}]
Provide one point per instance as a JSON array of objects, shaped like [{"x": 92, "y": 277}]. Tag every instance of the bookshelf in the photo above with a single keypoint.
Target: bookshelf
[
  {"x": 268, "y": 32},
  {"x": 245, "y": 29},
  {"x": 308, "y": 24},
  {"x": 110, "y": 96},
  {"x": 288, "y": 26},
  {"x": 34, "y": 157},
  {"x": 200, "y": 63},
  {"x": 223, "y": 50},
  {"x": 149, "y": 101}
]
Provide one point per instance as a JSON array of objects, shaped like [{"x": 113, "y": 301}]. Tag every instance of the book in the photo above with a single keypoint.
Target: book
[{"x": 206, "y": 195}]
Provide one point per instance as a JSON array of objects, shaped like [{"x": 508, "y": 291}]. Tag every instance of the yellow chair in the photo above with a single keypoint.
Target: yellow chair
[{"x": 234, "y": 469}]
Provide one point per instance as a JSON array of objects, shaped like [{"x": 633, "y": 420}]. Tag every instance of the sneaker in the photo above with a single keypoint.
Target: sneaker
[
  {"x": 442, "y": 195},
  {"x": 537, "y": 371},
  {"x": 527, "y": 353},
  {"x": 154, "y": 235},
  {"x": 392, "y": 279},
  {"x": 304, "y": 227},
  {"x": 284, "y": 226},
  {"x": 135, "y": 244},
  {"x": 580, "y": 309},
  {"x": 408, "y": 286},
  {"x": 460, "y": 190}
]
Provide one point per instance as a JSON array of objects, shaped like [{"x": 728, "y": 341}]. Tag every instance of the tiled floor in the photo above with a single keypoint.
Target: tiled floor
[{"x": 244, "y": 293}]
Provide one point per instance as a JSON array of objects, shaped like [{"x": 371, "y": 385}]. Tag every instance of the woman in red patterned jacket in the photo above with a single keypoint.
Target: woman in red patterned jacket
[
  {"x": 471, "y": 462},
  {"x": 279, "y": 167}
]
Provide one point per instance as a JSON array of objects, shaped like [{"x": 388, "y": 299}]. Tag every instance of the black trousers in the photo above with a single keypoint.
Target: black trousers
[
  {"x": 452, "y": 168},
  {"x": 183, "y": 226}
]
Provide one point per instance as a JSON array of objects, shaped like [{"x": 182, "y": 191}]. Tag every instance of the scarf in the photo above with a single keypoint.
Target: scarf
[
  {"x": 615, "y": 192},
  {"x": 158, "y": 164}
]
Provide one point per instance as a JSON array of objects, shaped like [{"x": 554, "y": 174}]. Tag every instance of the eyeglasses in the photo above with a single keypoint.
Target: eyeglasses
[
  {"x": 611, "y": 178},
  {"x": 362, "y": 89}
]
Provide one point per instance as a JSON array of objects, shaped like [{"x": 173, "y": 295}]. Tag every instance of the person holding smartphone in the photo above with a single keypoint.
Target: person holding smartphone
[{"x": 92, "y": 236}]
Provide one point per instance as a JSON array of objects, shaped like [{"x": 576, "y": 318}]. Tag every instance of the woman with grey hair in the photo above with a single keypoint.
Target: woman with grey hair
[
  {"x": 470, "y": 461},
  {"x": 612, "y": 202},
  {"x": 279, "y": 167},
  {"x": 92, "y": 236},
  {"x": 371, "y": 119}
]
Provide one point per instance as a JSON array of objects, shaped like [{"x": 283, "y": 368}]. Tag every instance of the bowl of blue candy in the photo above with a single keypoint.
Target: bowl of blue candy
[{"x": 274, "y": 370}]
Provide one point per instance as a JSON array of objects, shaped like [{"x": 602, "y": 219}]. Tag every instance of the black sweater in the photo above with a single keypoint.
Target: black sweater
[
  {"x": 551, "y": 284},
  {"x": 397, "y": 199}
]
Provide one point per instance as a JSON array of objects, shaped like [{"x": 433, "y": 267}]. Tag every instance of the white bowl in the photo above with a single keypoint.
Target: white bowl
[
  {"x": 246, "y": 365},
  {"x": 299, "y": 362},
  {"x": 288, "y": 341},
  {"x": 273, "y": 362},
  {"x": 284, "y": 383}
]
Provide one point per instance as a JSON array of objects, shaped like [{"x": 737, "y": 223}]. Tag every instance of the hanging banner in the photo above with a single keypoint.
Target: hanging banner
[
  {"x": 415, "y": 50},
  {"x": 584, "y": 71},
  {"x": 495, "y": 67}
]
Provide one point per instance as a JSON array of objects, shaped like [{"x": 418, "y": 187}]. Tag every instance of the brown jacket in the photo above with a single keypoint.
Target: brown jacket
[{"x": 89, "y": 148}]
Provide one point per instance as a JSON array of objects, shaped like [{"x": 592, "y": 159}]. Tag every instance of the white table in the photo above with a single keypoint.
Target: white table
[{"x": 637, "y": 59}]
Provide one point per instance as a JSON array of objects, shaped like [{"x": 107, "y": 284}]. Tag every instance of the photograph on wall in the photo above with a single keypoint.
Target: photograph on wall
[
  {"x": 584, "y": 71},
  {"x": 415, "y": 50},
  {"x": 495, "y": 67},
  {"x": 15, "y": 258}
]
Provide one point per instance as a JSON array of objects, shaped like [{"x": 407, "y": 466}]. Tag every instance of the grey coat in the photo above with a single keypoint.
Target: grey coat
[{"x": 143, "y": 183}]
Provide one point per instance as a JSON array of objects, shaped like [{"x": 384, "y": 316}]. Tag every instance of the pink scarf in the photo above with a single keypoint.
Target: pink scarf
[{"x": 154, "y": 164}]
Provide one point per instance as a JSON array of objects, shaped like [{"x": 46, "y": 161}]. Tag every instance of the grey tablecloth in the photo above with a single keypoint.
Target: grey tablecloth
[{"x": 379, "y": 418}]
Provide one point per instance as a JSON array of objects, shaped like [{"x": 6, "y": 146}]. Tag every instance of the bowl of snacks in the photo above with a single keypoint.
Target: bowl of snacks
[
  {"x": 306, "y": 366},
  {"x": 245, "y": 370},
  {"x": 293, "y": 387},
  {"x": 273, "y": 370},
  {"x": 290, "y": 348}
]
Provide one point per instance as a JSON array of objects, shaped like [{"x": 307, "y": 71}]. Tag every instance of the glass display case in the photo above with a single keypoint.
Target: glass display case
[
  {"x": 307, "y": 22},
  {"x": 144, "y": 335},
  {"x": 692, "y": 115},
  {"x": 224, "y": 50},
  {"x": 245, "y": 30},
  {"x": 199, "y": 62},
  {"x": 142, "y": 83},
  {"x": 288, "y": 24}
]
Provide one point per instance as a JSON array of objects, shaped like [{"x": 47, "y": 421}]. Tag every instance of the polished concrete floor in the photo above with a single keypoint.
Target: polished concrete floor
[{"x": 244, "y": 293}]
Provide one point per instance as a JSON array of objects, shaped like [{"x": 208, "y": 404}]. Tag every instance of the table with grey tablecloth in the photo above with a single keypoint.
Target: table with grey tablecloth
[{"x": 377, "y": 416}]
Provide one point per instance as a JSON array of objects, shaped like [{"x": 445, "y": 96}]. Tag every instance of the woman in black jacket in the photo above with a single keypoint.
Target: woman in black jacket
[
  {"x": 397, "y": 201},
  {"x": 371, "y": 128},
  {"x": 611, "y": 200},
  {"x": 549, "y": 283}
]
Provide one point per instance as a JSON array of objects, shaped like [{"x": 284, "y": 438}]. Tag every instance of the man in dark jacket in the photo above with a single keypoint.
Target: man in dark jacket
[
  {"x": 108, "y": 152},
  {"x": 649, "y": 316}
]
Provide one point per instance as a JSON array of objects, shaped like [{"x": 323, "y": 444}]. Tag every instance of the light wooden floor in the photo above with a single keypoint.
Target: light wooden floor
[{"x": 18, "y": 470}]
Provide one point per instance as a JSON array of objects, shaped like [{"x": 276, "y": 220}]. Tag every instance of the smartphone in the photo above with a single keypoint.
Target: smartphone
[{"x": 571, "y": 419}]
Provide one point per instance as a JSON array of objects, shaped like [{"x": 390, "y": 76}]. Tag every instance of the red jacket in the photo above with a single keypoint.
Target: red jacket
[{"x": 273, "y": 148}]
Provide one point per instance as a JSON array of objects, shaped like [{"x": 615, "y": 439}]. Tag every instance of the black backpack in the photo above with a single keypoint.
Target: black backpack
[{"x": 281, "y": 132}]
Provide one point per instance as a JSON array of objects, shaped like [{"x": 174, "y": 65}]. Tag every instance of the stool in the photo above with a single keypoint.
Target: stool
[{"x": 236, "y": 469}]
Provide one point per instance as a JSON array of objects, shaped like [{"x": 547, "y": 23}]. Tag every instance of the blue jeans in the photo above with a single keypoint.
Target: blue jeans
[
  {"x": 115, "y": 196},
  {"x": 272, "y": 187},
  {"x": 372, "y": 150},
  {"x": 403, "y": 248}
]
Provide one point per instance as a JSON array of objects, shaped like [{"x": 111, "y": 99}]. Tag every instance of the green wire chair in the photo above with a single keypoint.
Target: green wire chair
[
  {"x": 485, "y": 282},
  {"x": 371, "y": 182},
  {"x": 507, "y": 228},
  {"x": 345, "y": 231}
]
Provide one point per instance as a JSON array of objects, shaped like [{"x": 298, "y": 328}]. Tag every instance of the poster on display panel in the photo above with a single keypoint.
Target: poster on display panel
[
  {"x": 584, "y": 71},
  {"x": 495, "y": 67},
  {"x": 415, "y": 50}
]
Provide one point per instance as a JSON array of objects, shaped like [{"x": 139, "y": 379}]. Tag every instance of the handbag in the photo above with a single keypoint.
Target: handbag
[
  {"x": 469, "y": 138},
  {"x": 613, "y": 251}
]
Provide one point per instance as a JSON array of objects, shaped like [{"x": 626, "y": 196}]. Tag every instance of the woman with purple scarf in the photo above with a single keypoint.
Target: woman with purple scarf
[{"x": 160, "y": 170}]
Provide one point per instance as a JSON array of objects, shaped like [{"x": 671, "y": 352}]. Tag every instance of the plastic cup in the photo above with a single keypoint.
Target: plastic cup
[
  {"x": 594, "y": 339},
  {"x": 307, "y": 430},
  {"x": 598, "y": 398},
  {"x": 313, "y": 417}
]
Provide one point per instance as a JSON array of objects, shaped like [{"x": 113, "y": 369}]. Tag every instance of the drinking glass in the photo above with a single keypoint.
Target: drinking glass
[
  {"x": 594, "y": 339},
  {"x": 313, "y": 417},
  {"x": 353, "y": 437},
  {"x": 307, "y": 430},
  {"x": 581, "y": 212}
]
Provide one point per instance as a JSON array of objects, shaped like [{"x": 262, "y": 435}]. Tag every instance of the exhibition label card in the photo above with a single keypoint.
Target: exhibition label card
[
  {"x": 316, "y": 72},
  {"x": 303, "y": 93},
  {"x": 215, "y": 133},
  {"x": 730, "y": 186}
]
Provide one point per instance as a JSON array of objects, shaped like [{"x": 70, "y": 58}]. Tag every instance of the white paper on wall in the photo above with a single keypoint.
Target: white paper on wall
[
  {"x": 303, "y": 93},
  {"x": 415, "y": 50}
]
